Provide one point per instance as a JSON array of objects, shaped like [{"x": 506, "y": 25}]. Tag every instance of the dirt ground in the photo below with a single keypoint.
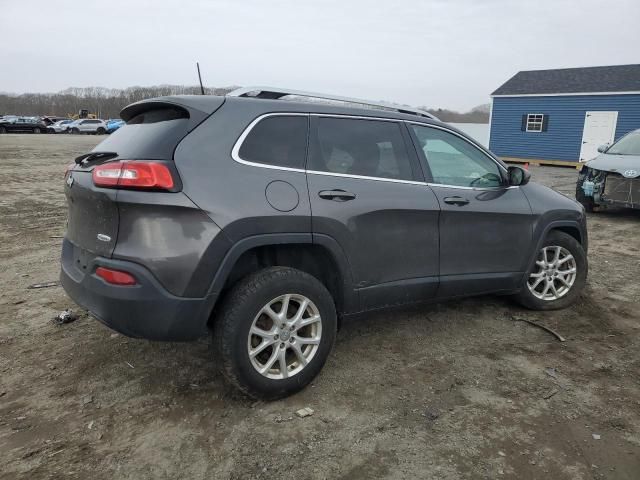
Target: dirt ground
[{"x": 456, "y": 390}]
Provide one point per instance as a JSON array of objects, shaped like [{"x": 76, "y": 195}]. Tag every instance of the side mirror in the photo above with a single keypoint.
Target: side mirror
[
  {"x": 603, "y": 148},
  {"x": 518, "y": 176}
]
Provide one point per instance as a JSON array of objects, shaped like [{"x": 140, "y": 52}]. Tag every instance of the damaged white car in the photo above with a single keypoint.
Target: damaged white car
[{"x": 613, "y": 177}]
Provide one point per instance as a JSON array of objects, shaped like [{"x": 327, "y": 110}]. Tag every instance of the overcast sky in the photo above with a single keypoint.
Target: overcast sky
[{"x": 436, "y": 53}]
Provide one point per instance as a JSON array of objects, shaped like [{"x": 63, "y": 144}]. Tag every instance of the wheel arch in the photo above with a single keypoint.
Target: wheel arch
[
  {"x": 569, "y": 227},
  {"x": 321, "y": 257}
]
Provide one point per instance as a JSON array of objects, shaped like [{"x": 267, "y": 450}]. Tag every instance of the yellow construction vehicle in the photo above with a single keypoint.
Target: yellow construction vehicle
[{"x": 82, "y": 113}]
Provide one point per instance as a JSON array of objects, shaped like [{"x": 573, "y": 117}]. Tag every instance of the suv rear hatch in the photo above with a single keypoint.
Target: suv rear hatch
[{"x": 151, "y": 134}]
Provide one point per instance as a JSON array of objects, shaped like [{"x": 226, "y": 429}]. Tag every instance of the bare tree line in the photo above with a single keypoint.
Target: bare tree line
[
  {"x": 104, "y": 102},
  {"x": 107, "y": 102},
  {"x": 479, "y": 114}
]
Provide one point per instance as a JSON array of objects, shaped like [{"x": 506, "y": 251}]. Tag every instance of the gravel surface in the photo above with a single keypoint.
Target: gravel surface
[{"x": 455, "y": 390}]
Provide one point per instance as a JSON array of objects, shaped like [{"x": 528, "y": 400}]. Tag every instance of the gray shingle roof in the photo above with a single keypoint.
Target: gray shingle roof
[{"x": 616, "y": 78}]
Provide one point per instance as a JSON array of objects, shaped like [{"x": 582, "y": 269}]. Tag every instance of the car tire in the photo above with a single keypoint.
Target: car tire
[
  {"x": 242, "y": 313},
  {"x": 3, "y": 130},
  {"x": 567, "y": 286},
  {"x": 36, "y": 130},
  {"x": 101, "y": 131},
  {"x": 74, "y": 131}
]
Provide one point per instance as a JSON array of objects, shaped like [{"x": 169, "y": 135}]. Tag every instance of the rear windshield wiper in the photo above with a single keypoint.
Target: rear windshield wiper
[{"x": 87, "y": 157}]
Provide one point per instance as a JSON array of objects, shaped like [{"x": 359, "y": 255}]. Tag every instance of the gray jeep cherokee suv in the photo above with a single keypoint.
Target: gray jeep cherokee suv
[{"x": 266, "y": 220}]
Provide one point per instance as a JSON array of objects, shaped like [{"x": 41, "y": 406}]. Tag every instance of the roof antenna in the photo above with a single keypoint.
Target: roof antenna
[{"x": 200, "y": 78}]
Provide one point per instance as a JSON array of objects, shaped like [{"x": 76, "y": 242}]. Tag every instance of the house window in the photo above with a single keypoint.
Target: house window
[{"x": 535, "y": 122}]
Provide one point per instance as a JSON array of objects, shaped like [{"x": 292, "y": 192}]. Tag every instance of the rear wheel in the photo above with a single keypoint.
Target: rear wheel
[
  {"x": 558, "y": 274},
  {"x": 36, "y": 130},
  {"x": 3, "y": 130},
  {"x": 274, "y": 332}
]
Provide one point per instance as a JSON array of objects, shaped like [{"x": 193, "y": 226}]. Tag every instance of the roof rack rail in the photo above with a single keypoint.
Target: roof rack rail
[{"x": 274, "y": 93}]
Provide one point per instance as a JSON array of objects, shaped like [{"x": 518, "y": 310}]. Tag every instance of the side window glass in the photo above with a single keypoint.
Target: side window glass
[
  {"x": 279, "y": 140},
  {"x": 454, "y": 161},
  {"x": 370, "y": 148}
]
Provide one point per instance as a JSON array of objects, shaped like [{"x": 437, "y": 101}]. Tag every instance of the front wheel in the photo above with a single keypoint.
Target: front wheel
[
  {"x": 557, "y": 276},
  {"x": 274, "y": 332},
  {"x": 101, "y": 131},
  {"x": 36, "y": 130},
  {"x": 3, "y": 130}
]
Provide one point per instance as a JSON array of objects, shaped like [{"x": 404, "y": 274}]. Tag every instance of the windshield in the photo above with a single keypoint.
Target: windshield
[{"x": 627, "y": 145}]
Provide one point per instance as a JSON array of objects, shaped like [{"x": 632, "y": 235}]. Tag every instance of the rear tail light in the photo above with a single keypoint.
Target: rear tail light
[
  {"x": 130, "y": 174},
  {"x": 115, "y": 277}
]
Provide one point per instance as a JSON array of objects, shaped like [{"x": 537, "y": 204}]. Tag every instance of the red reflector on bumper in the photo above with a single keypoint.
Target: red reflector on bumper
[{"x": 115, "y": 277}]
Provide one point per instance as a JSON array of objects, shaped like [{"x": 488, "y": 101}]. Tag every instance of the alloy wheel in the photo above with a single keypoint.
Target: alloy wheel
[
  {"x": 284, "y": 336},
  {"x": 554, "y": 275}
]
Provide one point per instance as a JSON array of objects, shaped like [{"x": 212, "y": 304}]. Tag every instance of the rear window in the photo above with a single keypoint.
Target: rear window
[
  {"x": 158, "y": 115},
  {"x": 149, "y": 135},
  {"x": 279, "y": 140}
]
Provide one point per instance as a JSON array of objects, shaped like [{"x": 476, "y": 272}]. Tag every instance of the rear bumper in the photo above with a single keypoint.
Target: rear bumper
[{"x": 146, "y": 310}]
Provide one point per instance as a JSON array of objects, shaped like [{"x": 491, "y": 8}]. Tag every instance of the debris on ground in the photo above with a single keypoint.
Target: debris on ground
[
  {"x": 280, "y": 419},
  {"x": 129, "y": 365},
  {"x": 65, "y": 316},
  {"x": 19, "y": 302},
  {"x": 431, "y": 414},
  {"x": 552, "y": 372},
  {"x": 86, "y": 400},
  {"x": 305, "y": 412},
  {"x": 595, "y": 436},
  {"x": 44, "y": 285},
  {"x": 550, "y": 393},
  {"x": 546, "y": 329}
]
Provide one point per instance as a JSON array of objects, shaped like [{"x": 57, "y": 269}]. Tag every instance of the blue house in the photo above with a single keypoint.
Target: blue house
[{"x": 563, "y": 116}]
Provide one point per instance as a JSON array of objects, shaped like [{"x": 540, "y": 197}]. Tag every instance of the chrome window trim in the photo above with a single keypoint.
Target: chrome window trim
[
  {"x": 484, "y": 189},
  {"x": 363, "y": 177},
  {"x": 235, "y": 151},
  {"x": 238, "y": 144}
]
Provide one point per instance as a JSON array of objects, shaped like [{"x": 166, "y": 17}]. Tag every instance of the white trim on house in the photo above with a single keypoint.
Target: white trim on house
[
  {"x": 490, "y": 119},
  {"x": 565, "y": 94},
  {"x": 535, "y": 121}
]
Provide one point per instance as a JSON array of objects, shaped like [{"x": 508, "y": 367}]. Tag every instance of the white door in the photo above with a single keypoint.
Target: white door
[{"x": 599, "y": 128}]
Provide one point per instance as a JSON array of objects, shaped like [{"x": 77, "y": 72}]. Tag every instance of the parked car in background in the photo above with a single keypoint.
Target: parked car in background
[
  {"x": 613, "y": 177},
  {"x": 113, "y": 124},
  {"x": 22, "y": 125},
  {"x": 50, "y": 120},
  {"x": 344, "y": 210},
  {"x": 60, "y": 126},
  {"x": 88, "y": 125},
  {"x": 8, "y": 118}
]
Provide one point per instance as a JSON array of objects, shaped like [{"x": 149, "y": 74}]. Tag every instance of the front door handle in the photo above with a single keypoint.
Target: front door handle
[
  {"x": 459, "y": 201},
  {"x": 336, "y": 195}
]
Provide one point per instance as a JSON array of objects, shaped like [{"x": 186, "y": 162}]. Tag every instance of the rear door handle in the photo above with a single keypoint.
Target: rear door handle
[
  {"x": 336, "y": 195},
  {"x": 456, "y": 201}
]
